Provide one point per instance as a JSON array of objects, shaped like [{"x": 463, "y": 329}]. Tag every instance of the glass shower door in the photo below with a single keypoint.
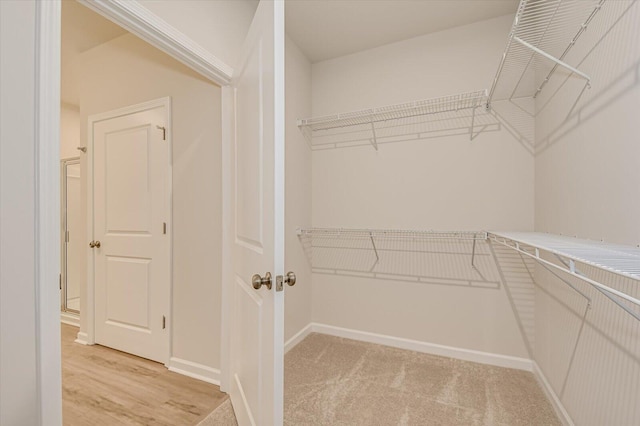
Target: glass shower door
[{"x": 72, "y": 247}]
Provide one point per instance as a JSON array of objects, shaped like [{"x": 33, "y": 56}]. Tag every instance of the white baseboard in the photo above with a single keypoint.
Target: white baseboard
[
  {"x": 562, "y": 413},
  {"x": 82, "y": 338},
  {"x": 424, "y": 347},
  {"x": 298, "y": 337},
  {"x": 194, "y": 370},
  {"x": 70, "y": 319}
]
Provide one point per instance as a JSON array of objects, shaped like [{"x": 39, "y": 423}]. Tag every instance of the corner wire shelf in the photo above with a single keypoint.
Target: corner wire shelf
[
  {"x": 384, "y": 123},
  {"x": 543, "y": 33},
  {"x": 405, "y": 255},
  {"x": 616, "y": 259}
]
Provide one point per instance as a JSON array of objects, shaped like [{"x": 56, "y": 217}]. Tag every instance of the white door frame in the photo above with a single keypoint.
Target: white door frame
[
  {"x": 138, "y": 20},
  {"x": 90, "y": 308}
]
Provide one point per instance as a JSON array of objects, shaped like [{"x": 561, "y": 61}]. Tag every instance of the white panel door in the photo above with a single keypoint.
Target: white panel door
[
  {"x": 131, "y": 173},
  {"x": 256, "y": 334}
]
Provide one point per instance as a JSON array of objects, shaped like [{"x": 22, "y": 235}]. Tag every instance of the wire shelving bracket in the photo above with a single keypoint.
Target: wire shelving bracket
[
  {"x": 542, "y": 28},
  {"x": 369, "y": 124}
]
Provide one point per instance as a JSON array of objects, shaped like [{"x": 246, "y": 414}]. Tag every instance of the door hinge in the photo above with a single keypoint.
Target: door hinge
[
  {"x": 164, "y": 132},
  {"x": 164, "y": 322},
  {"x": 164, "y": 227},
  {"x": 60, "y": 281}
]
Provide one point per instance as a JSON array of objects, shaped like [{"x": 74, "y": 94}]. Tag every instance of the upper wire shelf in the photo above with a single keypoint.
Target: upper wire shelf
[
  {"x": 387, "y": 123},
  {"x": 543, "y": 33}
]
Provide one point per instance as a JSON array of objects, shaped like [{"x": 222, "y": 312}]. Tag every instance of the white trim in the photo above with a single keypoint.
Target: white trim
[
  {"x": 138, "y": 20},
  {"x": 298, "y": 337},
  {"x": 47, "y": 211},
  {"x": 425, "y": 347},
  {"x": 90, "y": 310},
  {"x": 194, "y": 370},
  {"x": 70, "y": 318},
  {"x": 82, "y": 338},
  {"x": 562, "y": 413}
]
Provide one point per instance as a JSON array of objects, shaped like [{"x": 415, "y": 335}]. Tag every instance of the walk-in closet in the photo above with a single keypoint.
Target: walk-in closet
[{"x": 469, "y": 193}]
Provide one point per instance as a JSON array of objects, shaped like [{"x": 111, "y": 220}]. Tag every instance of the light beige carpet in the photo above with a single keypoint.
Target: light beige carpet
[
  {"x": 221, "y": 416},
  {"x": 334, "y": 381}
]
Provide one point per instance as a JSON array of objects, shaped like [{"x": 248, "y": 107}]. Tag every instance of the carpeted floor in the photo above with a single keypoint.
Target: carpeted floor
[
  {"x": 221, "y": 416},
  {"x": 335, "y": 381}
]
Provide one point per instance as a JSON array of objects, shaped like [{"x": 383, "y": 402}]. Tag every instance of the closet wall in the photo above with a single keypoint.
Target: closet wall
[
  {"x": 440, "y": 183},
  {"x": 587, "y": 184},
  {"x": 127, "y": 71}
]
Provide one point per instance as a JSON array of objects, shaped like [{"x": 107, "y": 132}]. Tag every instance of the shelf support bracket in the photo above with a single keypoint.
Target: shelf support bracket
[
  {"x": 553, "y": 59},
  {"x": 473, "y": 252},
  {"x": 375, "y": 250},
  {"x": 473, "y": 119},
  {"x": 374, "y": 140}
]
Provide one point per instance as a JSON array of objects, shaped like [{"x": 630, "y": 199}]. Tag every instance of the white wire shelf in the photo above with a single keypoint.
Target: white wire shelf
[
  {"x": 393, "y": 233},
  {"x": 617, "y": 259},
  {"x": 543, "y": 33},
  {"x": 387, "y": 123},
  {"x": 434, "y": 257}
]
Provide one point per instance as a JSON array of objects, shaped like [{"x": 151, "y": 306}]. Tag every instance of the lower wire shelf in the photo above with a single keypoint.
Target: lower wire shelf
[
  {"x": 459, "y": 258},
  {"x": 570, "y": 252}
]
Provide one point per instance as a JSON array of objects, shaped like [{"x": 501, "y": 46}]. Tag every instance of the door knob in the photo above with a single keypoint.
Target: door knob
[
  {"x": 290, "y": 278},
  {"x": 257, "y": 281},
  {"x": 95, "y": 244}
]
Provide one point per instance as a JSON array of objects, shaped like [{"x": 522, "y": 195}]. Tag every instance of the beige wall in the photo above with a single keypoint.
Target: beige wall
[
  {"x": 440, "y": 183},
  {"x": 297, "y": 188},
  {"x": 69, "y": 131},
  {"x": 18, "y": 386},
  {"x": 219, "y": 26},
  {"x": 127, "y": 71},
  {"x": 587, "y": 184}
]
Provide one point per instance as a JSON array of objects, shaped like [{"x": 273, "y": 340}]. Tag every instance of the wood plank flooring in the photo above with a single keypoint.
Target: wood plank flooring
[{"x": 102, "y": 386}]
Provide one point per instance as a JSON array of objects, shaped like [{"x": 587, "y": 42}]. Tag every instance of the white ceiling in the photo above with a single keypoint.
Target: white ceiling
[
  {"x": 82, "y": 29},
  {"x": 326, "y": 29},
  {"x": 323, "y": 29}
]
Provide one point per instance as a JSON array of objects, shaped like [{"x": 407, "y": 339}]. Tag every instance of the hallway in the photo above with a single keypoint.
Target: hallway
[{"x": 102, "y": 386}]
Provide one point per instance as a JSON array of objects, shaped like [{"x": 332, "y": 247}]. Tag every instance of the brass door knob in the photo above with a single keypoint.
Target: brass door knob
[
  {"x": 290, "y": 278},
  {"x": 257, "y": 281},
  {"x": 94, "y": 244}
]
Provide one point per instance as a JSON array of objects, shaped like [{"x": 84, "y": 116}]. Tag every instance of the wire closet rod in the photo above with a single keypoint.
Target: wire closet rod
[{"x": 571, "y": 270}]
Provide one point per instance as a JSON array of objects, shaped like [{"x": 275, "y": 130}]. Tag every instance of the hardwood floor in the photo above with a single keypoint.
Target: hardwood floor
[{"x": 102, "y": 386}]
